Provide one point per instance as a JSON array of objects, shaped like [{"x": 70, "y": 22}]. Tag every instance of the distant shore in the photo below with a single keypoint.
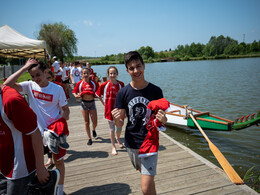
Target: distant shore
[{"x": 98, "y": 61}]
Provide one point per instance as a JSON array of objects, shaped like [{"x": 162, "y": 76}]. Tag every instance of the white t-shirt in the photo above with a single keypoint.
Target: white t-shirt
[
  {"x": 80, "y": 71},
  {"x": 64, "y": 73},
  {"x": 75, "y": 74},
  {"x": 56, "y": 67},
  {"x": 46, "y": 102}
]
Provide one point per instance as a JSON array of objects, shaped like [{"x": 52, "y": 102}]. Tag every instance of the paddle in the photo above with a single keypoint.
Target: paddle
[{"x": 232, "y": 174}]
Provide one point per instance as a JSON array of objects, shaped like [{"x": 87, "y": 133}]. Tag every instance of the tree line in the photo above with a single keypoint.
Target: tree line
[
  {"x": 217, "y": 48},
  {"x": 61, "y": 41}
]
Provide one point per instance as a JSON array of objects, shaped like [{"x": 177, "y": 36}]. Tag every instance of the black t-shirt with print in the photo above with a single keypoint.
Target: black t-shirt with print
[{"x": 135, "y": 102}]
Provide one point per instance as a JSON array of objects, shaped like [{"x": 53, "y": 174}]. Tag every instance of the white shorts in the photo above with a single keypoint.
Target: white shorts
[{"x": 148, "y": 164}]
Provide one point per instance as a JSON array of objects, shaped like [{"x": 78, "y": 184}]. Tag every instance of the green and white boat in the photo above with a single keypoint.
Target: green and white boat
[{"x": 177, "y": 116}]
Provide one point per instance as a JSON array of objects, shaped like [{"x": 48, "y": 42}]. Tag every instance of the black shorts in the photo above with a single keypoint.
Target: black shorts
[
  {"x": 66, "y": 81},
  {"x": 46, "y": 150},
  {"x": 88, "y": 105}
]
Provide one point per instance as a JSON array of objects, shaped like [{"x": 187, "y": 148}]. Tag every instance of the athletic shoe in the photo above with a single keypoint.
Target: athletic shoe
[
  {"x": 62, "y": 142},
  {"x": 89, "y": 142},
  {"x": 49, "y": 188},
  {"x": 94, "y": 133},
  {"x": 51, "y": 141},
  {"x": 3, "y": 185},
  {"x": 49, "y": 168}
]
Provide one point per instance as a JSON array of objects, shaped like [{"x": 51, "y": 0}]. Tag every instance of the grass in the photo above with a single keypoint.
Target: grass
[
  {"x": 25, "y": 77},
  {"x": 252, "y": 179}
]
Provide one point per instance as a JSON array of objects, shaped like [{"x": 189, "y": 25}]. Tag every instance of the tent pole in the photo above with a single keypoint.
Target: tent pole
[{"x": 45, "y": 56}]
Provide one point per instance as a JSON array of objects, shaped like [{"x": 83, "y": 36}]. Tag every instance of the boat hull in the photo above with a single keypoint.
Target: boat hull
[{"x": 176, "y": 116}]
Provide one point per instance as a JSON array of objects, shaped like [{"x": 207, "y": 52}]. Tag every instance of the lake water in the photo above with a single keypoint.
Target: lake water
[{"x": 226, "y": 88}]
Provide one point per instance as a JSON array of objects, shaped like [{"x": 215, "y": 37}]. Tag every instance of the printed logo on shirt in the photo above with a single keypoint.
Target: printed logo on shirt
[
  {"x": 42, "y": 96},
  {"x": 137, "y": 110},
  {"x": 77, "y": 73},
  {"x": 111, "y": 93},
  {"x": 88, "y": 88}
]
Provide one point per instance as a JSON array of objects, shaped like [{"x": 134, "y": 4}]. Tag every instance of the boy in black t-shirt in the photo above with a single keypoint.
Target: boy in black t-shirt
[{"x": 132, "y": 100}]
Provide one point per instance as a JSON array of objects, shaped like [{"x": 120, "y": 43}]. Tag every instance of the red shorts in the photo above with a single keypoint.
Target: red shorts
[
  {"x": 58, "y": 78},
  {"x": 60, "y": 155}
]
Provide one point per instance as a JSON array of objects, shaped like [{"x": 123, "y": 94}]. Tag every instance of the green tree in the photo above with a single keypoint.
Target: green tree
[
  {"x": 106, "y": 58},
  {"x": 255, "y": 46},
  {"x": 61, "y": 41},
  {"x": 161, "y": 54},
  {"x": 242, "y": 48},
  {"x": 232, "y": 50},
  {"x": 120, "y": 57},
  {"x": 209, "y": 50},
  {"x": 221, "y": 43},
  {"x": 186, "y": 50},
  {"x": 146, "y": 52}
]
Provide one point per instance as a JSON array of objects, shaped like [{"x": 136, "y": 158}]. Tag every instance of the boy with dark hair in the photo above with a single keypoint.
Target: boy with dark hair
[
  {"x": 132, "y": 100},
  {"x": 21, "y": 150}
]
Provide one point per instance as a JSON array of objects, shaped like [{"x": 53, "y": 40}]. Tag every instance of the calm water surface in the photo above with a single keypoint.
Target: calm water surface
[{"x": 227, "y": 88}]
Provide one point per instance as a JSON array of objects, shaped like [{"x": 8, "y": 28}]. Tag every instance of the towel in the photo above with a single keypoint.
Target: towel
[
  {"x": 151, "y": 143},
  {"x": 59, "y": 127}
]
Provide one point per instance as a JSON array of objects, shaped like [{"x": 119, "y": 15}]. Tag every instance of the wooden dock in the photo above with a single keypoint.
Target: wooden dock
[{"x": 93, "y": 170}]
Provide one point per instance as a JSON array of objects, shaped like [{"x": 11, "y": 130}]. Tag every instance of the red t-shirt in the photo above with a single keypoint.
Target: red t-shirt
[
  {"x": 109, "y": 91},
  {"x": 91, "y": 71},
  {"x": 83, "y": 87},
  {"x": 17, "y": 122}
]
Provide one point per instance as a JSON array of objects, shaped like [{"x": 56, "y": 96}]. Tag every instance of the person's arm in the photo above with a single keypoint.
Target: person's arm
[
  {"x": 12, "y": 79},
  {"x": 118, "y": 115},
  {"x": 99, "y": 93},
  {"x": 75, "y": 91},
  {"x": 161, "y": 116},
  {"x": 42, "y": 173},
  {"x": 100, "y": 98},
  {"x": 72, "y": 79},
  {"x": 66, "y": 112},
  {"x": 76, "y": 95}
]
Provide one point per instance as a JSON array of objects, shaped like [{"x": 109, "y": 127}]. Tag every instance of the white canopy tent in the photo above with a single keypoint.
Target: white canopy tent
[{"x": 15, "y": 45}]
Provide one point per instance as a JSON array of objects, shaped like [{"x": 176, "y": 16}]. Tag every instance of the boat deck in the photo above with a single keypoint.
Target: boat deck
[{"x": 93, "y": 170}]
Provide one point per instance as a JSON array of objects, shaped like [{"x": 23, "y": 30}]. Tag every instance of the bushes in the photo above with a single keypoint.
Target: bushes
[
  {"x": 222, "y": 56},
  {"x": 186, "y": 58}
]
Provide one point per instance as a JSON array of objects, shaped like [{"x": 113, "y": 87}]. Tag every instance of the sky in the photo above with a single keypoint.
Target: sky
[{"x": 105, "y": 27}]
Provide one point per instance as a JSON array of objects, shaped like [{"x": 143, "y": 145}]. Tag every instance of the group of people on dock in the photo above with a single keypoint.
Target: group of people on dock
[{"x": 26, "y": 130}]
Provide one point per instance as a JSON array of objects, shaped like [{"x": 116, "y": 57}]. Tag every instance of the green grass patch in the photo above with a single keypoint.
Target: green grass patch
[{"x": 25, "y": 77}]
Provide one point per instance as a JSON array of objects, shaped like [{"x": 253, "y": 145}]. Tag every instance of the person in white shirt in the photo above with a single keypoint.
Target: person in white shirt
[
  {"x": 65, "y": 77},
  {"x": 80, "y": 65},
  {"x": 56, "y": 68},
  {"x": 75, "y": 74},
  {"x": 47, "y": 100}
]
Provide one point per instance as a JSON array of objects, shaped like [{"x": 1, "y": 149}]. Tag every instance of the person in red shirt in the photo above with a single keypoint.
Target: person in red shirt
[
  {"x": 49, "y": 103},
  {"x": 85, "y": 89},
  {"x": 107, "y": 94},
  {"x": 21, "y": 150},
  {"x": 91, "y": 71}
]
